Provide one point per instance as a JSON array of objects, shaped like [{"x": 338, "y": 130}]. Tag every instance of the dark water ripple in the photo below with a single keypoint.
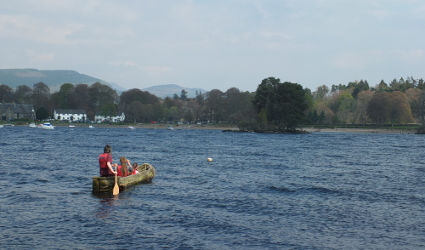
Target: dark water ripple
[{"x": 262, "y": 191}]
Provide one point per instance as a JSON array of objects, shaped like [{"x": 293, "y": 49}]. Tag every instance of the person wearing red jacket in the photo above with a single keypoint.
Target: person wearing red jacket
[
  {"x": 122, "y": 169},
  {"x": 105, "y": 162},
  {"x": 134, "y": 168}
]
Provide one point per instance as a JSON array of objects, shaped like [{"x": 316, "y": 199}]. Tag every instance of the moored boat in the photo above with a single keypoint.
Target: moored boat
[
  {"x": 46, "y": 125},
  {"x": 106, "y": 184},
  {"x": 32, "y": 125}
]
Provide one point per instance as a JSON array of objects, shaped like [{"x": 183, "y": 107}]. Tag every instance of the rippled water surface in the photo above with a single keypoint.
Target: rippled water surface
[{"x": 261, "y": 191}]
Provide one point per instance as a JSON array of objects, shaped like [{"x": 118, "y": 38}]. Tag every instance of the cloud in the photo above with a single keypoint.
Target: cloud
[
  {"x": 226, "y": 43},
  {"x": 34, "y": 29}
]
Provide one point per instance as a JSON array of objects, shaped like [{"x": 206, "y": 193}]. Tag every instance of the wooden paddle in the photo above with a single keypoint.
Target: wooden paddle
[{"x": 116, "y": 189}]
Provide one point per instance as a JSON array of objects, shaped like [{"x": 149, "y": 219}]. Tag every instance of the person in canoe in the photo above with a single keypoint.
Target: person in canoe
[
  {"x": 105, "y": 162},
  {"x": 123, "y": 168},
  {"x": 134, "y": 169}
]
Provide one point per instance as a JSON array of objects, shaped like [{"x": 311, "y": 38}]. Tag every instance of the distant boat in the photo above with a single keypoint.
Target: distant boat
[
  {"x": 46, "y": 125},
  {"x": 170, "y": 128},
  {"x": 32, "y": 125},
  {"x": 71, "y": 126},
  {"x": 90, "y": 126},
  {"x": 130, "y": 127},
  {"x": 1, "y": 126},
  {"x": 8, "y": 125}
]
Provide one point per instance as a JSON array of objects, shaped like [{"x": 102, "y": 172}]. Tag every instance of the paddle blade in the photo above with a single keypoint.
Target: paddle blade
[{"x": 116, "y": 189}]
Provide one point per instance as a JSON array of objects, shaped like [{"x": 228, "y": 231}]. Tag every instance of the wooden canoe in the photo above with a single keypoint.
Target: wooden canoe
[{"x": 106, "y": 184}]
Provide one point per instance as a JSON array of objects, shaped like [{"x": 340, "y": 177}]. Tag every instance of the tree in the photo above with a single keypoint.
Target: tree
[
  {"x": 382, "y": 86},
  {"x": 360, "y": 111},
  {"x": 183, "y": 95},
  {"x": 6, "y": 94},
  {"x": 196, "y": 110},
  {"x": 377, "y": 108},
  {"x": 321, "y": 93},
  {"x": 42, "y": 113},
  {"x": 108, "y": 110},
  {"x": 290, "y": 106},
  {"x": 237, "y": 106},
  {"x": 23, "y": 94},
  {"x": 399, "y": 109},
  {"x": 345, "y": 109},
  {"x": 325, "y": 112},
  {"x": 81, "y": 100},
  {"x": 102, "y": 95},
  {"x": 313, "y": 117},
  {"x": 41, "y": 96},
  {"x": 134, "y": 112},
  {"x": 416, "y": 98},
  {"x": 265, "y": 96},
  {"x": 284, "y": 103},
  {"x": 395, "y": 85},
  {"x": 322, "y": 118},
  {"x": 215, "y": 105},
  {"x": 171, "y": 114},
  {"x": 66, "y": 94}
]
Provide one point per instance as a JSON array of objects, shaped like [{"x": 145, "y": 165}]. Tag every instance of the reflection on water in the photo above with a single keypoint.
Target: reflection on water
[{"x": 106, "y": 202}]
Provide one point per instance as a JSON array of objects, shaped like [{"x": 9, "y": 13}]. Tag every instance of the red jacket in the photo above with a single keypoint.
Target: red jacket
[
  {"x": 120, "y": 172},
  {"x": 103, "y": 165}
]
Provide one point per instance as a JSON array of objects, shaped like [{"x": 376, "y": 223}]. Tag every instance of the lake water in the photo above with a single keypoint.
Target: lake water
[{"x": 261, "y": 191}]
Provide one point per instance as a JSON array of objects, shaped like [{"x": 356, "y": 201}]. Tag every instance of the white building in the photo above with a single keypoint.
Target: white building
[
  {"x": 70, "y": 114},
  {"x": 119, "y": 117}
]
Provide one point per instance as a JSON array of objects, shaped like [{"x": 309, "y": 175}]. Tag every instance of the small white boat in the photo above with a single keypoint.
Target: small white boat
[
  {"x": 1, "y": 126},
  {"x": 71, "y": 126},
  {"x": 130, "y": 127},
  {"x": 32, "y": 125},
  {"x": 46, "y": 125},
  {"x": 90, "y": 126},
  {"x": 170, "y": 128}
]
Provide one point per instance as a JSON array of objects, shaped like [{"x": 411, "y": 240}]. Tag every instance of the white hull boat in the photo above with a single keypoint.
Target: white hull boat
[{"x": 46, "y": 125}]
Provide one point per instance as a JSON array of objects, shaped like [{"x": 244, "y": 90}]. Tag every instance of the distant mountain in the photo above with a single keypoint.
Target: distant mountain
[
  {"x": 169, "y": 90},
  {"x": 52, "y": 78},
  {"x": 55, "y": 78}
]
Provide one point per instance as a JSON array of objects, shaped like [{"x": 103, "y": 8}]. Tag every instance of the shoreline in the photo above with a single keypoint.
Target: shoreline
[
  {"x": 361, "y": 130},
  {"x": 230, "y": 128}
]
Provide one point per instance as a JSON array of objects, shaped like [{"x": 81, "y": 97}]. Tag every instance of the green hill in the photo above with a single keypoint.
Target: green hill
[{"x": 52, "y": 78}]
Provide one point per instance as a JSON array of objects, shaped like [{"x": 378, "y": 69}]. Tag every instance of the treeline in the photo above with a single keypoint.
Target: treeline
[
  {"x": 138, "y": 106},
  {"x": 274, "y": 106},
  {"x": 401, "y": 101}
]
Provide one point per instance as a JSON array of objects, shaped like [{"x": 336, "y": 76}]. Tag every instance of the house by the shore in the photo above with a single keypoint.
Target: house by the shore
[
  {"x": 13, "y": 111},
  {"x": 71, "y": 115},
  {"x": 118, "y": 117}
]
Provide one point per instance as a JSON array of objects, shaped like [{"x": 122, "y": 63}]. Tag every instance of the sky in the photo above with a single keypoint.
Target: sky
[{"x": 217, "y": 44}]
